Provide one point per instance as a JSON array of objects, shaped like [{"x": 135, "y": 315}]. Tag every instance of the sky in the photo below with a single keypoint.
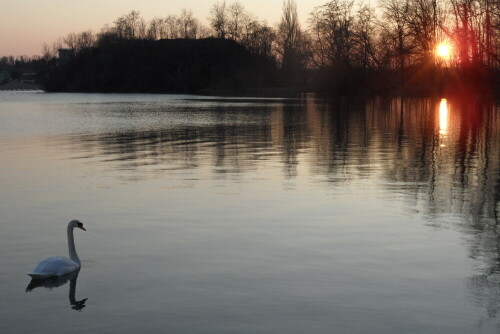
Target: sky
[{"x": 25, "y": 25}]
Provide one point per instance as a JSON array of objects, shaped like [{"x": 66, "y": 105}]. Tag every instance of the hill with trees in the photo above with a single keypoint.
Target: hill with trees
[{"x": 163, "y": 66}]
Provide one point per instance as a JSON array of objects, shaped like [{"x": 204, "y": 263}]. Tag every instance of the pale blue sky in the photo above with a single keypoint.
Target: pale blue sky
[{"x": 27, "y": 24}]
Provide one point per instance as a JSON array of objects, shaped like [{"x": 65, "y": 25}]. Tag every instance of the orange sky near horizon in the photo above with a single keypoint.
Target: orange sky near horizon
[{"x": 27, "y": 24}]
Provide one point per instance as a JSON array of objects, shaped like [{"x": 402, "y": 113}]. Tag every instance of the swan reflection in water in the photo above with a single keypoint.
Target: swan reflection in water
[{"x": 57, "y": 281}]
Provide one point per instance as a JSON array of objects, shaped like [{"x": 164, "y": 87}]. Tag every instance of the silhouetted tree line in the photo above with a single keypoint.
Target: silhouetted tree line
[
  {"x": 348, "y": 46},
  {"x": 12, "y": 68},
  {"x": 357, "y": 49}
]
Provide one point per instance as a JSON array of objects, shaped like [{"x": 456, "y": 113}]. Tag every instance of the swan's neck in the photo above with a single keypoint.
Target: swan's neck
[{"x": 71, "y": 246}]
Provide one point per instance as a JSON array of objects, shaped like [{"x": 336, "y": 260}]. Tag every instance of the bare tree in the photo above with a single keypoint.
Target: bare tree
[
  {"x": 77, "y": 42},
  {"x": 332, "y": 30},
  {"x": 258, "y": 37},
  {"x": 155, "y": 28},
  {"x": 291, "y": 43},
  {"x": 172, "y": 27},
  {"x": 86, "y": 39},
  {"x": 204, "y": 31},
  {"x": 476, "y": 32},
  {"x": 188, "y": 24},
  {"x": 288, "y": 31},
  {"x": 365, "y": 54},
  {"x": 47, "y": 53},
  {"x": 218, "y": 18},
  {"x": 130, "y": 26},
  {"x": 236, "y": 18},
  {"x": 396, "y": 28},
  {"x": 423, "y": 20}
]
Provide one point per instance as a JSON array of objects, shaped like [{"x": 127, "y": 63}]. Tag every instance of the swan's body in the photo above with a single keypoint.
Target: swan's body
[
  {"x": 60, "y": 265},
  {"x": 54, "y": 266}
]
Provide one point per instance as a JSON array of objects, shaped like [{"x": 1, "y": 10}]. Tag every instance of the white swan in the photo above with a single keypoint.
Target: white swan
[{"x": 60, "y": 265}]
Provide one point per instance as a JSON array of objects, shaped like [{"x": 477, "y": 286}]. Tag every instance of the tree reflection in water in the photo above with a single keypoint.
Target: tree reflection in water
[{"x": 442, "y": 155}]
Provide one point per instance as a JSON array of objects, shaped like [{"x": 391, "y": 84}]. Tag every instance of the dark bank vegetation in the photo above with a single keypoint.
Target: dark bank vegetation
[
  {"x": 347, "y": 47},
  {"x": 16, "y": 68},
  {"x": 178, "y": 65}
]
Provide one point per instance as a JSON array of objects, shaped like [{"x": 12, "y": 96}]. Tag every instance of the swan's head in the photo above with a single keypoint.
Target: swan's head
[{"x": 78, "y": 224}]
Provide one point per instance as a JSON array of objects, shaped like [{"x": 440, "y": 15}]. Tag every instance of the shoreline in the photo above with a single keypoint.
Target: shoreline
[{"x": 20, "y": 86}]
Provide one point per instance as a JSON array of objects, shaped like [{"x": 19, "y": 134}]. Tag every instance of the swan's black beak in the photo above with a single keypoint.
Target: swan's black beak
[{"x": 81, "y": 227}]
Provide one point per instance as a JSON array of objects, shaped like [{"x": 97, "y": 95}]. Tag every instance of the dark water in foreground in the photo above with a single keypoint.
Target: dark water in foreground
[{"x": 209, "y": 215}]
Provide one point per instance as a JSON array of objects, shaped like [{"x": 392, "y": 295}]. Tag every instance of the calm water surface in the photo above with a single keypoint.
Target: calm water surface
[{"x": 211, "y": 215}]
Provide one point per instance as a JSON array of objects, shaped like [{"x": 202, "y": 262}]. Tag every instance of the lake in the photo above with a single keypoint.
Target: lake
[{"x": 251, "y": 215}]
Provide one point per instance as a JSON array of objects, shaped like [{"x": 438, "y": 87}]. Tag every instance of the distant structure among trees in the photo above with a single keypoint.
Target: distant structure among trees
[
  {"x": 348, "y": 46},
  {"x": 65, "y": 55}
]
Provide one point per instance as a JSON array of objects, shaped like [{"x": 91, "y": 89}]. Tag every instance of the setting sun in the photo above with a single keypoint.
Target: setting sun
[{"x": 443, "y": 50}]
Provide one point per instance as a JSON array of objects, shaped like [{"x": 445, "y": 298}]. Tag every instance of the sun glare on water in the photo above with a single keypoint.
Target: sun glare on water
[{"x": 443, "y": 117}]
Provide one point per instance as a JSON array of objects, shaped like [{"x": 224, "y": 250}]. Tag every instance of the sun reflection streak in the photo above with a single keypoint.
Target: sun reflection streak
[
  {"x": 443, "y": 120},
  {"x": 443, "y": 116}
]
